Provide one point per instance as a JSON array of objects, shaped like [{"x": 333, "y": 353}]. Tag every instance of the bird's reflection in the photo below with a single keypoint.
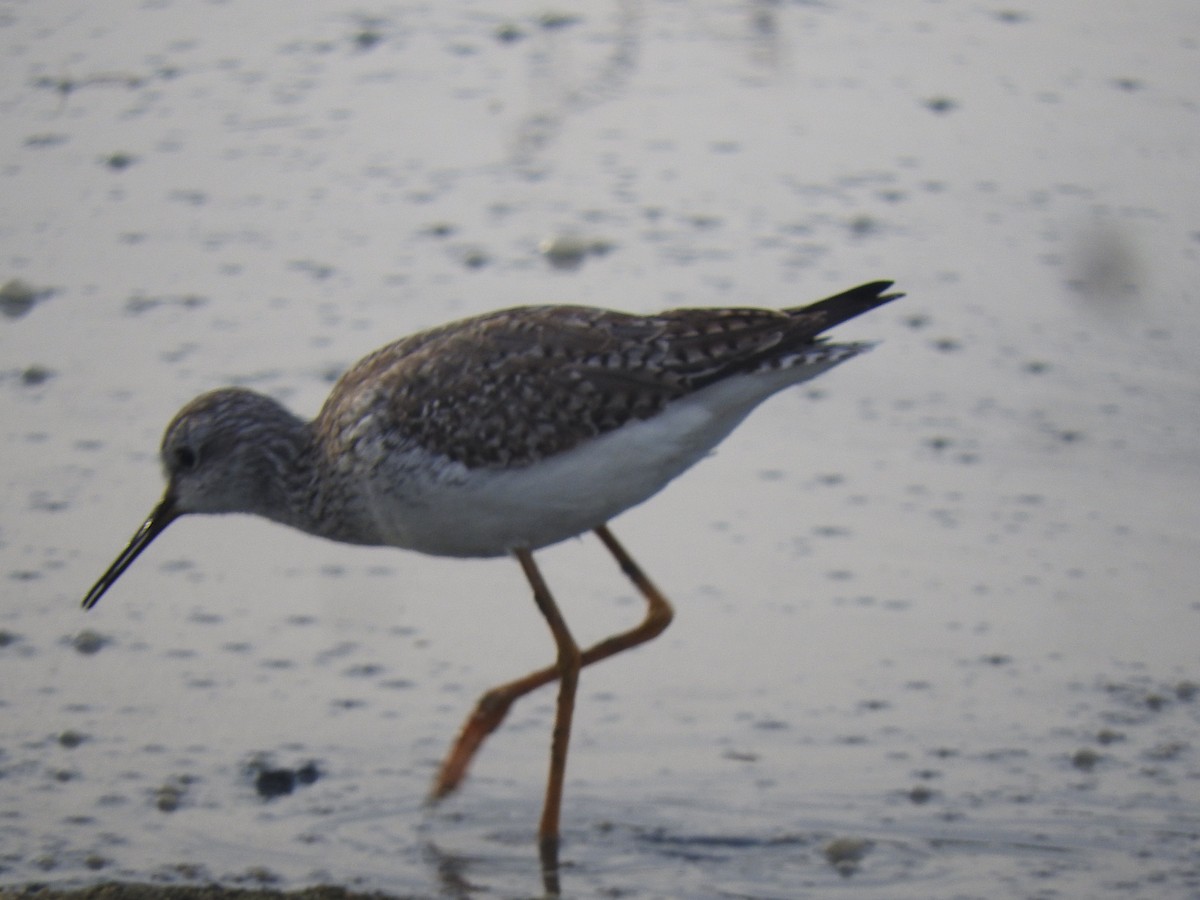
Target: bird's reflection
[{"x": 452, "y": 872}]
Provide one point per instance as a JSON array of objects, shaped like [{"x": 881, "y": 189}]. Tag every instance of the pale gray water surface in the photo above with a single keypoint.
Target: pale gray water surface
[{"x": 939, "y": 629}]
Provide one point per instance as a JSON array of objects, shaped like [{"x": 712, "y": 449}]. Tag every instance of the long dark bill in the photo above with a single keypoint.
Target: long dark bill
[{"x": 164, "y": 514}]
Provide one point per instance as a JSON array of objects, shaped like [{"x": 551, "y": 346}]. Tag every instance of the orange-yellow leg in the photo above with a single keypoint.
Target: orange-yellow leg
[
  {"x": 570, "y": 661},
  {"x": 493, "y": 706}
]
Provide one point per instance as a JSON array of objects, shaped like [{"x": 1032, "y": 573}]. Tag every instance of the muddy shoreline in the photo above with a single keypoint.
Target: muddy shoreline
[{"x": 139, "y": 891}]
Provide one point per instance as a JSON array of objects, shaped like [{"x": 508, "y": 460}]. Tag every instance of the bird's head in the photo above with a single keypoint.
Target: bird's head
[{"x": 226, "y": 451}]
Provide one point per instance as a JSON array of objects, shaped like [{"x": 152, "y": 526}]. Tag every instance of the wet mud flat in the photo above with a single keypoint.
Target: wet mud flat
[
  {"x": 132, "y": 891},
  {"x": 937, "y": 616}
]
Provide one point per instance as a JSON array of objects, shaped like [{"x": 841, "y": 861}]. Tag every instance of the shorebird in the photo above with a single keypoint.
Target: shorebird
[{"x": 501, "y": 434}]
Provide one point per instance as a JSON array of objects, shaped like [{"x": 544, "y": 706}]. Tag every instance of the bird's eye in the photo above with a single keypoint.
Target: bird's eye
[{"x": 186, "y": 458}]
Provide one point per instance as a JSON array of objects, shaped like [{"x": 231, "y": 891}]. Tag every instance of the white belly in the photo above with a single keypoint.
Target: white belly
[{"x": 490, "y": 512}]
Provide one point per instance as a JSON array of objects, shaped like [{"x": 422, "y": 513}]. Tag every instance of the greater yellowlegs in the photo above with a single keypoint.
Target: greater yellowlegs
[{"x": 501, "y": 434}]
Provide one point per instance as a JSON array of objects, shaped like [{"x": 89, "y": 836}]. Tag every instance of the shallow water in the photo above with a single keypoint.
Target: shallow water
[{"x": 937, "y": 616}]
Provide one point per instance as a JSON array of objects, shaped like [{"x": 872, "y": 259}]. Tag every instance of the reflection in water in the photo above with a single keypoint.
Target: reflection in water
[
  {"x": 450, "y": 872},
  {"x": 555, "y": 89},
  {"x": 766, "y": 43}
]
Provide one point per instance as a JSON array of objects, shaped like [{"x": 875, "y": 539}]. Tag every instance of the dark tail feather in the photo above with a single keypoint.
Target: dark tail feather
[{"x": 824, "y": 314}]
